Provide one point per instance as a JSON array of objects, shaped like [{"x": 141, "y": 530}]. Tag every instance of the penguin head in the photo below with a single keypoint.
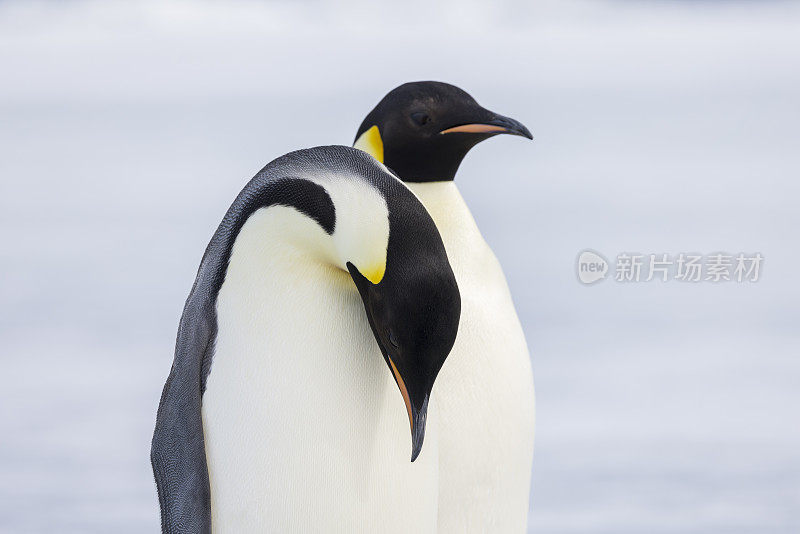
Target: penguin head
[
  {"x": 422, "y": 130},
  {"x": 414, "y": 308}
]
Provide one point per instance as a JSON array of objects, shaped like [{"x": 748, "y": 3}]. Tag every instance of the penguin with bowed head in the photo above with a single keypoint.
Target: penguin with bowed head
[
  {"x": 423, "y": 131},
  {"x": 322, "y": 312}
]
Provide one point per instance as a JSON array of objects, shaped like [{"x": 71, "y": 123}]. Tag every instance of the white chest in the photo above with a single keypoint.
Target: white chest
[{"x": 305, "y": 429}]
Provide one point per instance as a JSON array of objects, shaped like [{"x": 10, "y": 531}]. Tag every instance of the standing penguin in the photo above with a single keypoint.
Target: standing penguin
[
  {"x": 485, "y": 395},
  {"x": 279, "y": 414}
]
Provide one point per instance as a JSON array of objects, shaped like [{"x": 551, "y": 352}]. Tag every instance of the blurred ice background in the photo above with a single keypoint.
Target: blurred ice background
[{"x": 126, "y": 128}]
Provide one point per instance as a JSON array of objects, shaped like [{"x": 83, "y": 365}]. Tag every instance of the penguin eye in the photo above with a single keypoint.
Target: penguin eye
[
  {"x": 392, "y": 339},
  {"x": 420, "y": 118}
]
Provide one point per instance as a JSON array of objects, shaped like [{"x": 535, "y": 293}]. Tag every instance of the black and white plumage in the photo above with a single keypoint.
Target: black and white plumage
[
  {"x": 423, "y": 131},
  {"x": 278, "y": 414}
]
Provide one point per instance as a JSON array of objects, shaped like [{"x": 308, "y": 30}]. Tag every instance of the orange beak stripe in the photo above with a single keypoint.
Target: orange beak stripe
[
  {"x": 404, "y": 392},
  {"x": 474, "y": 128}
]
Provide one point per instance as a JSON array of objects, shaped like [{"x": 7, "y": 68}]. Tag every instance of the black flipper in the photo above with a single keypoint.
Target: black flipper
[{"x": 178, "y": 450}]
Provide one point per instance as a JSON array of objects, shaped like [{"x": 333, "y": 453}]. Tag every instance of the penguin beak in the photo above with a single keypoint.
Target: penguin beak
[
  {"x": 492, "y": 125},
  {"x": 416, "y": 415}
]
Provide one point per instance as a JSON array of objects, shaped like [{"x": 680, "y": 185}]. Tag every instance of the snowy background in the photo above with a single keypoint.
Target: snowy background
[{"x": 126, "y": 129}]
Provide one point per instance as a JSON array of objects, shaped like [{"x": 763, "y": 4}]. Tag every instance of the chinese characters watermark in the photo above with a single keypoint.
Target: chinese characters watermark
[{"x": 683, "y": 267}]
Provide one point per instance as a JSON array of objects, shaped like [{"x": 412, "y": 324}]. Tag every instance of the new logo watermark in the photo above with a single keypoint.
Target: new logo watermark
[
  {"x": 683, "y": 267},
  {"x": 592, "y": 267}
]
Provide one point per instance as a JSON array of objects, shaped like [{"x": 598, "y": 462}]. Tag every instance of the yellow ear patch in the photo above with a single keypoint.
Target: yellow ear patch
[
  {"x": 371, "y": 143},
  {"x": 375, "y": 274}
]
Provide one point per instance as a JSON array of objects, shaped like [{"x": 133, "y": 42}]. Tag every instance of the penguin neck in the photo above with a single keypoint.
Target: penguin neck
[
  {"x": 453, "y": 218},
  {"x": 431, "y": 169},
  {"x": 278, "y": 239},
  {"x": 436, "y": 162},
  {"x": 358, "y": 231},
  {"x": 426, "y": 167}
]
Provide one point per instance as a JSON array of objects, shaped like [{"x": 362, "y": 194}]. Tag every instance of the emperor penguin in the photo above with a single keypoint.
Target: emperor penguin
[
  {"x": 325, "y": 291},
  {"x": 422, "y": 131}
]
